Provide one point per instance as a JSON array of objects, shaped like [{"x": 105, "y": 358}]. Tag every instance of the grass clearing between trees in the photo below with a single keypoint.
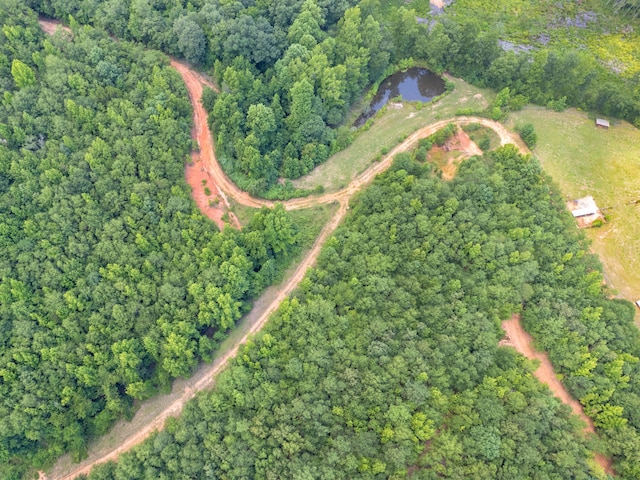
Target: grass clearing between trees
[
  {"x": 584, "y": 160},
  {"x": 480, "y": 134},
  {"x": 387, "y": 131}
]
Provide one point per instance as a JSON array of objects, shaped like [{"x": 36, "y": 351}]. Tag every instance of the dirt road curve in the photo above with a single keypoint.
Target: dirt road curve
[
  {"x": 194, "y": 82},
  {"x": 519, "y": 339}
]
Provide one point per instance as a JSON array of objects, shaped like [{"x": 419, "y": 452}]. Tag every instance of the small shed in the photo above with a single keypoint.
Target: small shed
[
  {"x": 638, "y": 303},
  {"x": 602, "y": 123},
  {"x": 585, "y": 211}
]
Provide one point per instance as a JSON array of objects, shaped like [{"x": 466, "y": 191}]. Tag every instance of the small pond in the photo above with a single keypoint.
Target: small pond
[{"x": 414, "y": 84}]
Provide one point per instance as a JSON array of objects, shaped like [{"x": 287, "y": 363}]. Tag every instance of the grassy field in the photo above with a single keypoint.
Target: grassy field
[
  {"x": 387, "y": 131},
  {"x": 610, "y": 36},
  {"x": 585, "y": 160}
]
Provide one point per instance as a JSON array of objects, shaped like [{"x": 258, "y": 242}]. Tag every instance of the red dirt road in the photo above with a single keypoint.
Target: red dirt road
[
  {"x": 518, "y": 338},
  {"x": 215, "y": 204},
  {"x": 194, "y": 82}
]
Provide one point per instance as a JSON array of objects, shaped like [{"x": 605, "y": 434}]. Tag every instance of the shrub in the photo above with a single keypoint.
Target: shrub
[
  {"x": 496, "y": 114},
  {"x": 528, "y": 134},
  {"x": 441, "y": 136},
  {"x": 449, "y": 86},
  {"x": 472, "y": 127},
  {"x": 425, "y": 143},
  {"x": 465, "y": 112},
  {"x": 558, "y": 105}
]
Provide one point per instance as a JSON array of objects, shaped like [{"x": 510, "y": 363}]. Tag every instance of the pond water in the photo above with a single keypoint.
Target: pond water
[{"x": 414, "y": 84}]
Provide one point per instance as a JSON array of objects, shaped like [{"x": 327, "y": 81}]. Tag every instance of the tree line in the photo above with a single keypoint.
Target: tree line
[{"x": 112, "y": 283}]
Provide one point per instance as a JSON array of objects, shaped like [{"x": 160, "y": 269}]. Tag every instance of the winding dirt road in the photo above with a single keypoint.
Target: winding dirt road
[
  {"x": 152, "y": 415},
  {"x": 194, "y": 82},
  {"x": 518, "y": 338}
]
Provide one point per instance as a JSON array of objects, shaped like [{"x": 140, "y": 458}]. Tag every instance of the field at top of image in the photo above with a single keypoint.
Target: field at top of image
[{"x": 591, "y": 24}]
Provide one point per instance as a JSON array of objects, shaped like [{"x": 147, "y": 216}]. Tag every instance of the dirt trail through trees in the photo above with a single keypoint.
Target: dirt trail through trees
[
  {"x": 125, "y": 435},
  {"x": 194, "y": 82},
  {"x": 519, "y": 339}
]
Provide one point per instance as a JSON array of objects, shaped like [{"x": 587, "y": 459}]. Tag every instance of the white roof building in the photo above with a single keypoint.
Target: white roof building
[{"x": 584, "y": 206}]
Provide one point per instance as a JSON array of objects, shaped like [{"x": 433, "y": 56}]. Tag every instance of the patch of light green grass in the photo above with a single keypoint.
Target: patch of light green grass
[{"x": 387, "y": 131}]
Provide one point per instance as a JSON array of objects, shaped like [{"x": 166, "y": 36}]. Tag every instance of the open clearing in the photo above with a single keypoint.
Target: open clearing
[
  {"x": 584, "y": 160},
  {"x": 387, "y": 131}
]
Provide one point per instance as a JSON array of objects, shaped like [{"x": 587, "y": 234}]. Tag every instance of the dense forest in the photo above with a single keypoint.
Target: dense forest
[
  {"x": 288, "y": 70},
  {"x": 111, "y": 282},
  {"x": 386, "y": 362}
]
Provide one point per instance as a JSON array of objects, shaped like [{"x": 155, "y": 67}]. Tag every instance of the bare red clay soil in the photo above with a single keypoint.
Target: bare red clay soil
[
  {"x": 49, "y": 25},
  {"x": 214, "y": 205},
  {"x": 460, "y": 142},
  {"x": 519, "y": 339}
]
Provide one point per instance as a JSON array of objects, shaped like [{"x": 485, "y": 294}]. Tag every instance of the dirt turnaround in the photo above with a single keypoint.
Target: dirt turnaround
[
  {"x": 153, "y": 413},
  {"x": 50, "y": 25},
  {"x": 518, "y": 338}
]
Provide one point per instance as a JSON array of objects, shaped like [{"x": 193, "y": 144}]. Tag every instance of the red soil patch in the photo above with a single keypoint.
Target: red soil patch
[
  {"x": 460, "y": 142},
  {"x": 519, "y": 339},
  {"x": 215, "y": 204},
  {"x": 49, "y": 26}
]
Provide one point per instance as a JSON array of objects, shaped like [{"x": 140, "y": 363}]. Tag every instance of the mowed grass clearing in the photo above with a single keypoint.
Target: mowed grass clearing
[
  {"x": 585, "y": 160},
  {"x": 387, "y": 131}
]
